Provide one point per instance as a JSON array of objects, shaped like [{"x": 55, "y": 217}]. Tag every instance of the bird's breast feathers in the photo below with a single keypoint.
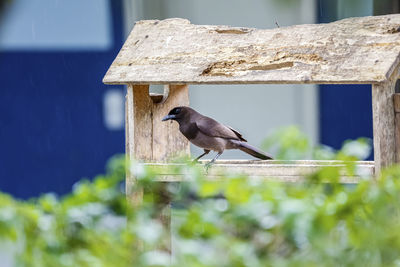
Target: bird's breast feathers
[{"x": 189, "y": 130}]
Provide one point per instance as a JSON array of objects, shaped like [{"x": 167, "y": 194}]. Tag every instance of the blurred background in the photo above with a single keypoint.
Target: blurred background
[{"x": 59, "y": 123}]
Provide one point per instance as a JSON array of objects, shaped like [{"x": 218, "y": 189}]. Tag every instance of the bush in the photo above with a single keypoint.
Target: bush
[
  {"x": 240, "y": 222},
  {"x": 85, "y": 228},
  {"x": 237, "y": 221}
]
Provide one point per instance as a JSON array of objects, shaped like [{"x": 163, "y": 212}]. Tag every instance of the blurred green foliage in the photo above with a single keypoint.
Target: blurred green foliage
[
  {"x": 237, "y": 221},
  {"x": 80, "y": 229}
]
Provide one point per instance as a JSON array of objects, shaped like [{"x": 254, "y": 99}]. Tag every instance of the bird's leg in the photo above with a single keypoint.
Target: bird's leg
[
  {"x": 206, "y": 151},
  {"x": 208, "y": 165}
]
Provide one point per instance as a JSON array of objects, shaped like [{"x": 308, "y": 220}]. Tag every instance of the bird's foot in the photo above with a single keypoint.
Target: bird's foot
[{"x": 208, "y": 166}]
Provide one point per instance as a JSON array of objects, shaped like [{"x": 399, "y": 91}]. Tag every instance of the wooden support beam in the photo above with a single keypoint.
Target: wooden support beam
[
  {"x": 150, "y": 139},
  {"x": 134, "y": 195},
  {"x": 396, "y": 104},
  {"x": 384, "y": 122},
  {"x": 272, "y": 170},
  {"x": 167, "y": 141},
  {"x": 147, "y": 137}
]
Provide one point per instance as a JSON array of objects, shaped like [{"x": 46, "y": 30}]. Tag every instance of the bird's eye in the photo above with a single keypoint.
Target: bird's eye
[{"x": 177, "y": 110}]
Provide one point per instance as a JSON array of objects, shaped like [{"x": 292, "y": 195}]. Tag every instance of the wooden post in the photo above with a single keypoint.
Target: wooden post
[
  {"x": 384, "y": 122},
  {"x": 148, "y": 139},
  {"x": 396, "y": 104},
  {"x": 167, "y": 140}
]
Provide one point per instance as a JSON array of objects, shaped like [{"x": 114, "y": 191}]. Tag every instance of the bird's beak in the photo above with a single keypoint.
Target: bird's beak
[{"x": 168, "y": 117}]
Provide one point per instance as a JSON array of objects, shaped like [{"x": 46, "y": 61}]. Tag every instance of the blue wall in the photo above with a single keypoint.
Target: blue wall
[
  {"x": 345, "y": 113},
  {"x": 345, "y": 110},
  {"x": 51, "y": 118}
]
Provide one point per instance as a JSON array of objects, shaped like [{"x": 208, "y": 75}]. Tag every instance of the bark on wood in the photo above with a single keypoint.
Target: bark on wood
[
  {"x": 384, "y": 122},
  {"x": 354, "y": 50}
]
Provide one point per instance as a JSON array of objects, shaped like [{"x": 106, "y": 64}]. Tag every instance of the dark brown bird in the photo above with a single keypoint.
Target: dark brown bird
[{"x": 209, "y": 134}]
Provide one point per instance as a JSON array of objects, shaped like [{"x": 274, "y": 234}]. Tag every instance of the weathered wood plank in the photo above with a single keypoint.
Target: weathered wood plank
[
  {"x": 134, "y": 195},
  {"x": 168, "y": 142},
  {"x": 285, "y": 171},
  {"x": 149, "y": 139},
  {"x": 142, "y": 138},
  {"x": 290, "y": 162},
  {"x": 355, "y": 50},
  {"x": 384, "y": 127},
  {"x": 396, "y": 104}
]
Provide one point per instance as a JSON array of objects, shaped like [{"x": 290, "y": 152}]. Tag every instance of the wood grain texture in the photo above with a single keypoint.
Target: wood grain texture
[
  {"x": 150, "y": 139},
  {"x": 168, "y": 142},
  {"x": 384, "y": 122},
  {"x": 142, "y": 138},
  {"x": 273, "y": 170},
  {"x": 163, "y": 207},
  {"x": 354, "y": 50},
  {"x": 134, "y": 194},
  {"x": 396, "y": 104}
]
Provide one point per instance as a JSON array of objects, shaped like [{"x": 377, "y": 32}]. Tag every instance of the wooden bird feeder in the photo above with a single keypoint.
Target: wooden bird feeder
[{"x": 176, "y": 53}]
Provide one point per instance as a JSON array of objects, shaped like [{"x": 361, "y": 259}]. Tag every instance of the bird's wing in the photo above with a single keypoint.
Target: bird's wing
[
  {"x": 239, "y": 135},
  {"x": 213, "y": 128}
]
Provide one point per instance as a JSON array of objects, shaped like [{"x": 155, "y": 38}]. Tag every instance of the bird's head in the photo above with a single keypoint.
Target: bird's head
[{"x": 177, "y": 114}]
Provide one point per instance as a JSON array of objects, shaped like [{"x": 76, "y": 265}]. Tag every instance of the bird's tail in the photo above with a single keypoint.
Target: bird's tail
[{"x": 255, "y": 152}]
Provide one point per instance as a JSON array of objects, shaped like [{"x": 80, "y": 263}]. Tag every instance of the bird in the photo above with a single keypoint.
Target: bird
[{"x": 209, "y": 134}]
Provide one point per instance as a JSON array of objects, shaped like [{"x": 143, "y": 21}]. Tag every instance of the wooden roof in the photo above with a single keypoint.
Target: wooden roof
[{"x": 354, "y": 50}]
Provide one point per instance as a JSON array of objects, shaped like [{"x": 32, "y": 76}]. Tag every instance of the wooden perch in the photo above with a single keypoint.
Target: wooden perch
[
  {"x": 272, "y": 170},
  {"x": 354, "y": 50}
]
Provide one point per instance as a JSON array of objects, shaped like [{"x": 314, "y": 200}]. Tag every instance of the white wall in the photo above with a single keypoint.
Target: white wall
[{"x": 254, "y": 110}]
